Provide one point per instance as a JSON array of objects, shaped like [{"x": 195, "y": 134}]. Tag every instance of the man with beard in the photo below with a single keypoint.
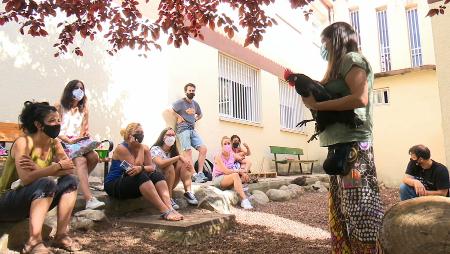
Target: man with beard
[
  {"x": 424, "y": 176},
  {"x": 188, "y": 112}
]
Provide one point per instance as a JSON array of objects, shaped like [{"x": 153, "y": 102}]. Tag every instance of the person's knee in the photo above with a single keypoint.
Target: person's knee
[
  {"x": 92, "y": 158},
  {"x": 235, "y": 176},
  {"x": 404, "y": 188},
  {"x": 202, "y": 150},
  {"x": 46, "y": 187}
]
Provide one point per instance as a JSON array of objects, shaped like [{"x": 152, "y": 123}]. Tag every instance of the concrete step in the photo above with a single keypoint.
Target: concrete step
[{"x": 193, "y": 228}]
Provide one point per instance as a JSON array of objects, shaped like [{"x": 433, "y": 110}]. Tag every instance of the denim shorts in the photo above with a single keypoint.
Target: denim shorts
[{"x": 189, "y": 139}]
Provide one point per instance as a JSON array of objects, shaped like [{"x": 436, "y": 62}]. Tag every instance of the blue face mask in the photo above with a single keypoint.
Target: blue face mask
[{"x": 324, "y": 52}]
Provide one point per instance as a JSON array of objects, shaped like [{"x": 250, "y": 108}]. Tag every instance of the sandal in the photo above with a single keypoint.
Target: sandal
[
  {"x": 37, "y": 248},
  {"x": 66, "y": 243},
  {"x": 166, "y": 215}
]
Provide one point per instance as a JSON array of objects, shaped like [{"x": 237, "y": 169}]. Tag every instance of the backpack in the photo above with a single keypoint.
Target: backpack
[{"x": 207, "y": 168}]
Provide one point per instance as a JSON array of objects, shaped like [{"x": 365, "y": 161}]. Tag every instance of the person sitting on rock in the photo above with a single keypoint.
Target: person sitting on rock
[
  {"x": 424, "y": 176},
  {"x": 27, "y": 186},
  {"x": 224, "y": 176},
  {"x": 174, "y": 166},
  {"x": 242, "y": 152},
  {"x": 133, "y": 175}
]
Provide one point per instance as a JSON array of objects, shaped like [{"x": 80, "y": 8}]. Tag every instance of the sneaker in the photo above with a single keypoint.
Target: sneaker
[
  {"x": 202, "y": 175},
  {"x": 246, "y": 204},
  {"x": 198, "y": 179},
  {"x": 174, "y": 204},
  {"x": 94, "y": 203},
  {"x": 190, "y": 198}
]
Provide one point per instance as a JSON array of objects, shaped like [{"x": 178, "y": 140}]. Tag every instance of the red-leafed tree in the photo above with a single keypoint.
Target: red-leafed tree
[
  {"x": 123, "y": 24},
  {"x": 440, "y": 10}
]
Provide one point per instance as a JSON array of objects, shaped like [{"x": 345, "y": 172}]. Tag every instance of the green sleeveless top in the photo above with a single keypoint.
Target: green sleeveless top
[
  {"x": 341, "y": 133},
  {"x": 10, "y": 175}
]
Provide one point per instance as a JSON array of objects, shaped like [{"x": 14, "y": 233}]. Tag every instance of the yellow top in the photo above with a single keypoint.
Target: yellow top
[{"x": 10, "y": 172}]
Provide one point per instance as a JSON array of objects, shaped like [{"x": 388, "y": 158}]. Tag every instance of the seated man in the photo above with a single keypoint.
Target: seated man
[{"x": 424, "y": 176}]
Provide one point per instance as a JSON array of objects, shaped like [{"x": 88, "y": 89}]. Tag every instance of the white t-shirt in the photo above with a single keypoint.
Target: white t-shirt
[{"x": 157, "y": 151}]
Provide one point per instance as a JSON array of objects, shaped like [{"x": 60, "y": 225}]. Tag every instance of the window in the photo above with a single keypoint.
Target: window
[
  {"x": 239, "y": 93},
  {"x": 381, "y": 96},
  {"x": 414, "y": 37},
  {"x": 354, "y": 18},
  {"x": 291, "y": 107},
  {"x": 383, "y": 36}
]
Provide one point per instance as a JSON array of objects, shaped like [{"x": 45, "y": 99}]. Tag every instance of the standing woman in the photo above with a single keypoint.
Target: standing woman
[
  {"x": 354, "y": 203},
  {"x": 75, "y": 136},
  {"x": 34, "y": 158}
]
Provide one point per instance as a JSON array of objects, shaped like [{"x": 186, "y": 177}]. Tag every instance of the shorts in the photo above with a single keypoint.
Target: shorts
[
  {"x": 15, "y": 204},
  {"x": 126, "y": 187},
  {"x": 217, "y": 180},
  {"x": 189, "y": 139}
]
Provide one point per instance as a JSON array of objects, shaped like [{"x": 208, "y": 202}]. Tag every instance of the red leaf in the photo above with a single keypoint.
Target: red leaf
[
  {"x": 170, "y": 40},
  {"x": 91, "y": 37},
  {"x": 447, "y": 1},
  {"x": 99, "y": 27},
  {"x": 432, "y": 12}
]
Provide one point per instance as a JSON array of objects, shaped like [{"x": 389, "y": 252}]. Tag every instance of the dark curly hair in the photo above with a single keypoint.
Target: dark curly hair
[
  {"x": 34, "y": 111},
  {"x": 160, "y": 142},
  {"x": 67, "y": 96},
  {"x": 235, "y": 136}
]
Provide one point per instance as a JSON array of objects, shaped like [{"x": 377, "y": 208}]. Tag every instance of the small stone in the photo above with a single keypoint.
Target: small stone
[
  {"x": 278, "y": 195},
  {"x": 95, "y": 215},
  {"x": 259, "y": 197},
  {"x": 301, "y": 181}
]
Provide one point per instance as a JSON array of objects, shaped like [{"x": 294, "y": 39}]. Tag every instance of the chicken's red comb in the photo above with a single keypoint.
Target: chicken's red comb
[{"x": 288, "y": 73}]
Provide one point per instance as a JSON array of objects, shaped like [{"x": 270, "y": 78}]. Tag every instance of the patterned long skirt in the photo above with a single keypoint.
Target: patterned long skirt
[{"x": 355, "y": 214}]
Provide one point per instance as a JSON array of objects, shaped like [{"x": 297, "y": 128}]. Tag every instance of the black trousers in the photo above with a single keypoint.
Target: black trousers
[
  {"x": 126, "y": 187},
  {"x": 15, "y": 204}
]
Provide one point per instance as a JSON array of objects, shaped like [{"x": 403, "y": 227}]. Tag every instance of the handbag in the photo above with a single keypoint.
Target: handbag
[{"x": 337, "y": 158}]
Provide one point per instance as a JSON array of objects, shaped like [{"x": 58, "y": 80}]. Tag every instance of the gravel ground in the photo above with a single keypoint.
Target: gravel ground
[{"x": 296, "y": 226}]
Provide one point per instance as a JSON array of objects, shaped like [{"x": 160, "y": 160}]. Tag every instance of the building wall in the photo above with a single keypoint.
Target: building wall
[
  {"x": 397, "y": 29},
  {"x": 441, "y": 39},
  {"x": 413, "y": 116}
]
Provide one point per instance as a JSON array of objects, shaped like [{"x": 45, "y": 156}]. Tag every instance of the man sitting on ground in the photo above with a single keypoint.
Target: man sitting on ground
[{"x": 424, "y": 176}]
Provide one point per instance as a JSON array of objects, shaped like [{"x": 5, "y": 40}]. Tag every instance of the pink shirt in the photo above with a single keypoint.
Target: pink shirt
[{"x": 229, "y": 163}]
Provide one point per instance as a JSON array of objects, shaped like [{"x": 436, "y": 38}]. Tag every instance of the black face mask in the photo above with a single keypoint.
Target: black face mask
[
  {"x": 52, "y": 130},
  {"x": 139, "y": 137},
  {"x": 235, "y": 145},
  {"x": 415, "y": 162},
  {"x": 190, "y": 95}
]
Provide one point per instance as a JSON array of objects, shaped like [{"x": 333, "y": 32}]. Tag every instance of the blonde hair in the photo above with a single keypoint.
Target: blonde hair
[
  {"x": 223, "y": 138},
  {"x": 125, "y": 133}
]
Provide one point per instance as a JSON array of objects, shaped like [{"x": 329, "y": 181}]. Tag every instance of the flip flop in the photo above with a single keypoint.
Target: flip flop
[{"x": 37, "y": 248}]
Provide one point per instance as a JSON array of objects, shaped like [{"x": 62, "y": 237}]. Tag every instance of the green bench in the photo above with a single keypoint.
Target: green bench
[{"x": 279, "y": 150}]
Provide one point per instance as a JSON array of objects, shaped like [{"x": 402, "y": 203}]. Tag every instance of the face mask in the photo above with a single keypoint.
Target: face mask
[
  {"x": 416, "y": 161},
  {"x": 190, "y": 95},
  {"x": 139, "y": 137},
  {"x": 78, "y": 94},
  {"x": 52, "y": 130},
  {"x": 227, "y": 148},
  {"x": 324, "y": 52},
  {"x": 235, "y": 145},
  {"x": 169, "y": 140}
]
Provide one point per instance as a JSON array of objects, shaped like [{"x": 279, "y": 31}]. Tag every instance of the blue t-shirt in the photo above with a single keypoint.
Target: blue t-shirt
[
  {"x": 187, "y": 110},
  {"x": 115, "y": 170}
]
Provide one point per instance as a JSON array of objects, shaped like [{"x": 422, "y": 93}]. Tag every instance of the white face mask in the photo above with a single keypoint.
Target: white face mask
[
  {"x": 169, "y": 141},
  {"x": 78, "y": 94}
]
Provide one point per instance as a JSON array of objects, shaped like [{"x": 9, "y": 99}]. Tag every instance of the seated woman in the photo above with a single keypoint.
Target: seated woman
[
  {"x": 27, "y": 188},
  {"x": 75, "y": 135},
  {"x": 138, "y": 178},
  {"x": 174, "y": 166},
  {"x": 224, "y": 176},
  {"x": 241, "y": 153}
]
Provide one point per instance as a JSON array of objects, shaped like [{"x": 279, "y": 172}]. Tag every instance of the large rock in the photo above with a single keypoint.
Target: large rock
[
  {"x": 231, "y": 196},
  {"x": 295, "y": 190},
  {"x": 82, "y": 223},
  {"x": 278, "y": 195},
  {"x": 284, "y": 187},
  {"x": 259, "y": 197},
  {"x": 416, "y": 226},
  {"x": 211, "y": 198}
]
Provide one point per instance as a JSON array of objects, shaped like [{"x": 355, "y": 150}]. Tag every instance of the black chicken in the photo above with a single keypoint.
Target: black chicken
[{"x": 305, "y": 86}]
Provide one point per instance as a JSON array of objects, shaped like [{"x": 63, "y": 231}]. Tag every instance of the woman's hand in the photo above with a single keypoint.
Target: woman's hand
[
  {"x": 27, "y": 163},
  {"x": 245, "y": 145},
  {"x": 66, "y": 164},
  {"x": 134, "y": 170},
  {"x": 183, "y": 159},
  {"x": 310, "y": 102}
]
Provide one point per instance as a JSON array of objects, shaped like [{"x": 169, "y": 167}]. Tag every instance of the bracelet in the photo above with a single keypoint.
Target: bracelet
[
  {"x": 142, "y": 167},
  {"x": 60, "y": 166}
]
